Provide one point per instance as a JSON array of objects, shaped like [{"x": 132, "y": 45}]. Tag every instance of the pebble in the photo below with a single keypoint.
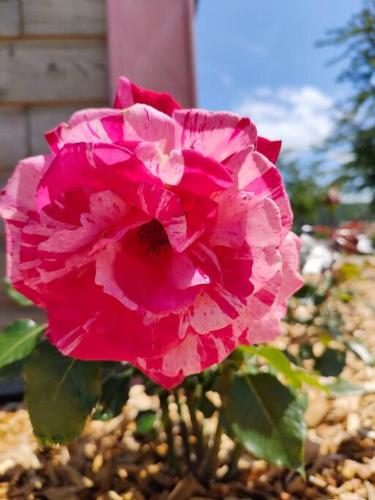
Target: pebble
[
  {"x": 316, "y": 411},
  {"x": 370, "y": 490},
  {"x": 284, "y": 495},
  {"x": 353, "y": 423},
  {"x": 350, "y": 496},
  {"x": 97, "y": 463},
  {"x": 296, "y": 485},
  {"x": 6, "y": 465},
  {"x": 311, "y": 493},
  {"x": 317, "y": 481},
  {"x": 112, "y": 495},
  {"x": 349, "y": 469}
]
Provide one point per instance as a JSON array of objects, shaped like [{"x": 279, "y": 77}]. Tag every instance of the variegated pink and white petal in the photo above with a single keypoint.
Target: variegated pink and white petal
[
  {"x": 215, "y": 134},
  {"x": 172, "y": 280},
  {"x": 18, "y": 209},
  {"x": 202, "y": 175},
  {"x": 269, "y": 149},
  {"x": 243, "y": 219},
  {"x": 292, "y": 280},
  {"x": 87, "y": 333},
  {"x": 128, "y": 93},
  {"x": 194, "y": 354},
  {"x": 88, "y": 125},
  {"x": 90, "y": 168},
  {"x": 260, "y": 178},
  {"x": 147, "y": 124}
]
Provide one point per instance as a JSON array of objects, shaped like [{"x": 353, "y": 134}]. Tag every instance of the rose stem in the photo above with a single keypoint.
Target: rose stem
[
  {"x": 210, "y": 462},
  {"x": 233, "y": 462},
  {"x": 197, "y": 427},
  {"x": 168, "y": 427},
  {"x": 183, "y": 428}
]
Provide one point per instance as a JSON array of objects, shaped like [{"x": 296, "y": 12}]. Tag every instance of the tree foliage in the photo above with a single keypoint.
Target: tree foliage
[
  {"x": 356, "y": 125},
  {"x": 306, "y": 195}
]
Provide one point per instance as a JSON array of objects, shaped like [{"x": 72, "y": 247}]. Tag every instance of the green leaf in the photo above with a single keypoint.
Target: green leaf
[
  {"x": 331, "y": 362},
  {"x": 115, "y": 393},
  {"x": 12, "y": 371},
  {"x": 278, "y": 361},
  {"x": 18, "y": 340},
  {"x": 145, "y": 421},
  {"x": 344, "y": 388},
  {"x": 282, "y": 364},
  {"x": 17, "y": 297},
  {"x": 312, "y": 380},
  {"x": 267, "y": 418},
  {"x": 60, "y": 394},
  {"x": 361, "y": 351}
]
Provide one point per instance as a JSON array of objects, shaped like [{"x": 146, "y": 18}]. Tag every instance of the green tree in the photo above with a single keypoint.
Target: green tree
[
  {"x": 305, "y": 194},
  {"x": 356, "y": 125}
]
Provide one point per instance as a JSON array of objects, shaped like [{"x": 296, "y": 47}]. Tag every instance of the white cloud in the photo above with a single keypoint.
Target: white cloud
[
  {"x": 300, "y": 116},
  {"x": 340, "y": 156},
  {"x": 364, "y": 196}
]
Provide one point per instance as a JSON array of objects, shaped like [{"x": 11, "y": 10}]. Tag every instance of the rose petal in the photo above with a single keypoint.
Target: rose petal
[
  {"x": 128, "y": 94},
  {"x": 243, "y": 219},
  {"x": 17, "y": 207},
  {"x": 88, "y": 125},
  {"x": 202, "y": 175},
  {"x": 146, "y": 280},
  {"x": 169, "y": 168},
  {"x": 218, "y": 135},
  {"x": 258, "y": 176},
  {"x": 269, "y": 149},
  {"x": 144, "y": 123},
  {"x": 86, "y": 332}
]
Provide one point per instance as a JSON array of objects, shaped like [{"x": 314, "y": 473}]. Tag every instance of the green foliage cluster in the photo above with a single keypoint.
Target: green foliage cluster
[
  {"x": 357, "y": 123},
  {"x": 305, "y": 193}
]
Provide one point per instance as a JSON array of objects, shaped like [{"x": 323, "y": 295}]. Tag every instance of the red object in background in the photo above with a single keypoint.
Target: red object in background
[
  {"x": 346, "y": 237},
  {"x": 333, "y": 196},
  {"x": 151, "y": 42},
  {"x": 322, "y": 230},
  {"x": 354, "y": 225}
]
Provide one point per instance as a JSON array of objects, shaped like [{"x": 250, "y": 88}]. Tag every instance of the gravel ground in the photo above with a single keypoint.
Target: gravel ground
[{"x": 110, "y": 462}]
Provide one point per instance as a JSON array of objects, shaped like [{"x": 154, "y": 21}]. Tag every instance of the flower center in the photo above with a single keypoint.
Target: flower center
[{"x": 153, "y": 236}]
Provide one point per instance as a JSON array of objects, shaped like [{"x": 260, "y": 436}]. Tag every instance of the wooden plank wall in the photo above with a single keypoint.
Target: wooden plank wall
[{"x": 52, "y": 62}]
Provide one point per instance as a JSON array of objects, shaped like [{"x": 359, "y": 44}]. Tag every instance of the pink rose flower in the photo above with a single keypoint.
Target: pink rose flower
[{"x": 153, "y": 234}]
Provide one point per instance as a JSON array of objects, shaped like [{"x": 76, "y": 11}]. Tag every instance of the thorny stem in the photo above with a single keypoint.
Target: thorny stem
[
  {"x": 233, "y": 463},
  {"x": 197, "y": 427},
  {"x": 183, "y": 428},
  {"x": 207, "y": 457},
  {"x": 210, "y": 462},
  {"x": 168, "y": 427}
]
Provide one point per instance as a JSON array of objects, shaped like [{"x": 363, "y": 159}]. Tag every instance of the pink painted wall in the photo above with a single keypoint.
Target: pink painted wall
[{"x": 152, "y": 43}]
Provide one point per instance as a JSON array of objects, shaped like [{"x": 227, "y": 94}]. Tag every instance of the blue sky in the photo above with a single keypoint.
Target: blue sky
[{"x": 259, "y": 58}]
